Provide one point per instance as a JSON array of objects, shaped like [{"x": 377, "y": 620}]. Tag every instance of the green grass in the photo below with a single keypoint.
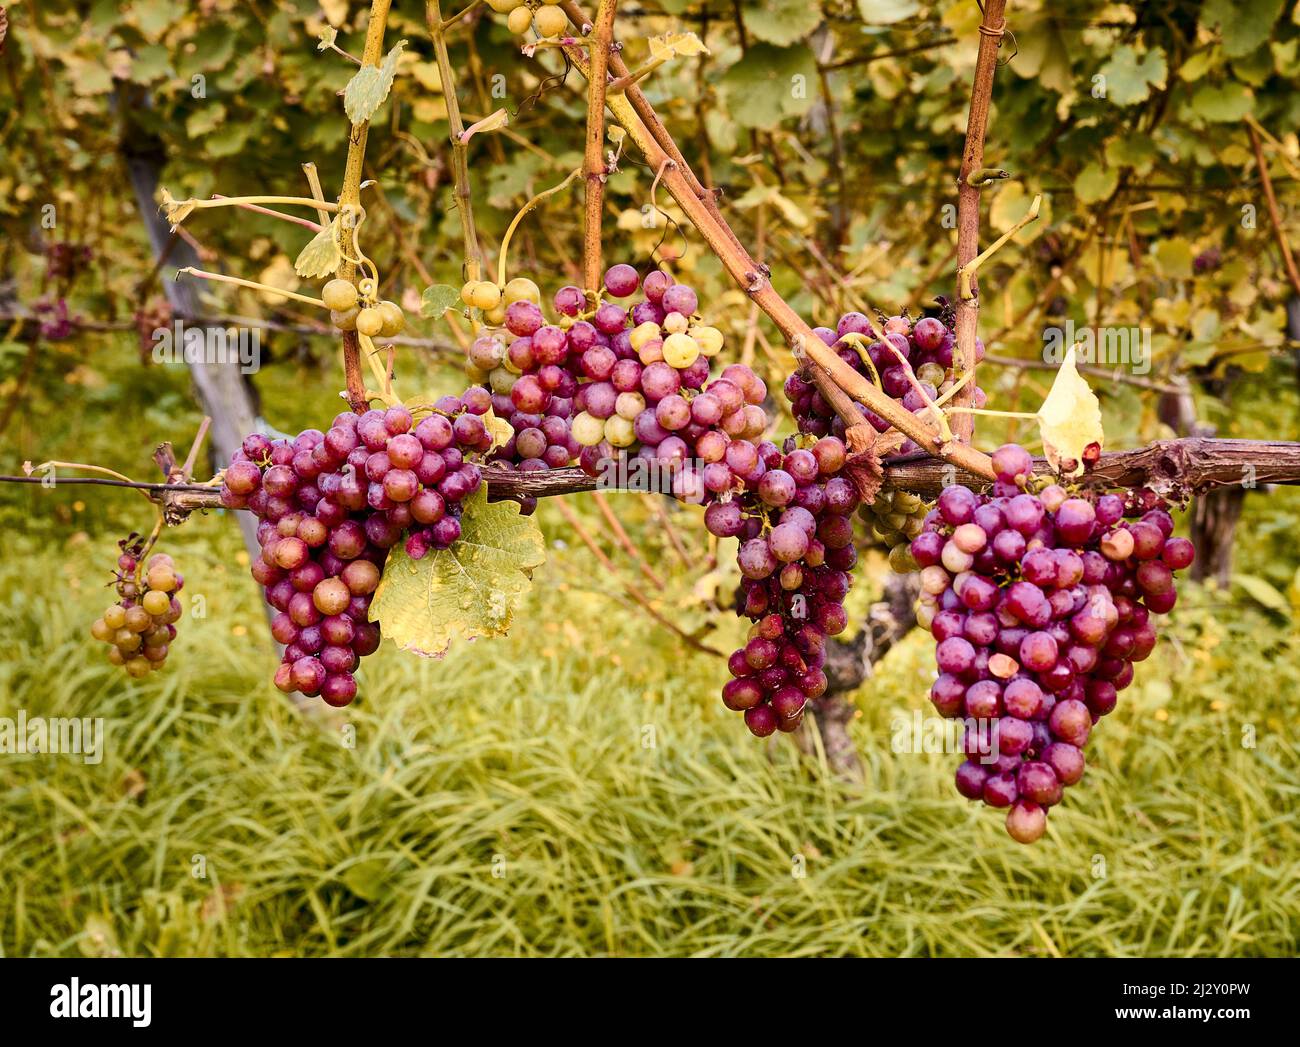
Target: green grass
[{"x": 505, "y": 801}]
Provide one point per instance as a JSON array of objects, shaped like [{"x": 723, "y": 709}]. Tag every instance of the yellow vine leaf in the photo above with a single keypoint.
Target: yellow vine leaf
[
  {"x": 321, "y": 256},
  {"x": 499, "y": 428},
  {"x": 467, "y": 591},
  {"x": 369, "y": 86},
  {"x": 175, "y": 210},
  {"x": 1070, "y": 418},
  {"x": 676, "y": 45}
]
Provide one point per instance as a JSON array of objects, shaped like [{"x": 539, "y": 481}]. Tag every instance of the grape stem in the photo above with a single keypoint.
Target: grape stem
[
  {"x": 189, "y": 270},
  {"x": 51, "y": 466},
  {"x": 941, "y": 419},
  {"x": 255, "y": 202},
  {"x": 593, "y": 157},
  {"x": 637, "y": 75},
  {"x": 306, "y": 223},
  {"x": 453, "y": 21},
  {"x": 504, "y": 256},
  {"x": 966, "y": 273}
]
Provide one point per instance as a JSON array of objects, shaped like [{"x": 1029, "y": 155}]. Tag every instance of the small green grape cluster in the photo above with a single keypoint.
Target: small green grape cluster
[
  {"x": 895, "y": 518},
  {"x": 140, "y": 627},
  {"x": 545, "y": 17},
  {"x": 355, "y": 307},
  {"x": 493, "y": 301}
]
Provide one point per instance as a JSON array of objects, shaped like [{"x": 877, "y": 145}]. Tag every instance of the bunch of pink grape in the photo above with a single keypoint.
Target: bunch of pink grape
[
  {"x": 927, "y": 347},
  {"x": 330, "y": 506},
  {"x": 796, "y": 576},
  {"x": 609, "y": 380},
  {"x": 1040, "y": 604}
]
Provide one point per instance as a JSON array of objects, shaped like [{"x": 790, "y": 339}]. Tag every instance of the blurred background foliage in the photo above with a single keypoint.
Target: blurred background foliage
[{"x": 833, "y": 134}]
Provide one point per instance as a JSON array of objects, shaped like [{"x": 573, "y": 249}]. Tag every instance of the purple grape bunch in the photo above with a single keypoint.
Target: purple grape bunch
[
  {"x": 331, "y": 505},
  {"x": 600, "y": 385},
  {"x": 794, "y": 519},
  {"x": 1040, "y": 604},
  {"x": 926, "y": 344}
]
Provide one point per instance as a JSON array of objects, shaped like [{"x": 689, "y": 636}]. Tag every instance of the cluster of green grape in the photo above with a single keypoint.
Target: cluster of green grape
[
  {"x": 545, "y": 17},
  {"x": 140, "y": 627},
  {"x": 355, "y": 307},
  {"x": 895, "y": 518},
  {"x": 492, "y": 301}
]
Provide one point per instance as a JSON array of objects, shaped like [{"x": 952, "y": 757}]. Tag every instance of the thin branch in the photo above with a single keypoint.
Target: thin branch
[
  {"x": 317, "y": 193},
  {"x": 187, "y": 470},
  {"x": 1100, "y": 372},
  {"x": 1178, "y": 467},
  {"x": 306, "y": 223},
  {"x": 239, "y": 281},
  {"x": 309, "y": 330},
  {"x": 1274, "y": 216},
  {"x": 503, "y": 256}
]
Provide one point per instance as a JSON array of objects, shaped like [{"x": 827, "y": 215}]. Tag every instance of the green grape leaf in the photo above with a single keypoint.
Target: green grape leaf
[
  {"x": 1199, "y": 64},
  {"x": 1070, "y": 418},
  {"x": 1044, "y": 55},
  {"x": 153, "y": 19},
  {"x": 1173, "y": 257},
  {"x": 1130, "y": 76},
  {"x": 1095, "y": 183},
  {"x": 370, "y": 85},
  {"x": 769, "y": 194},
  {"x": 1245, "y": 24},
  {"x": 884, "y": 12},
  {"x": 437, "y": 299},
  {"x": 321, "y": 256},
  {"x": 508, "y": 180},
  {"x": 1131, "y": 150},
  {"x": 466, "y": 591},
  {"x": 205, "y": 120},
  {"x": 771, "y": 83},
  {"x": 781, "y": 22},
  {"x": 1222, "y": 103},
  {"x": 228, "y": 139}
]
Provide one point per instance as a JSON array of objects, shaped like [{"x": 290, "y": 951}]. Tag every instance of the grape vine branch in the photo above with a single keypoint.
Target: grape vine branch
[{"x": 1187, "y": 466}]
